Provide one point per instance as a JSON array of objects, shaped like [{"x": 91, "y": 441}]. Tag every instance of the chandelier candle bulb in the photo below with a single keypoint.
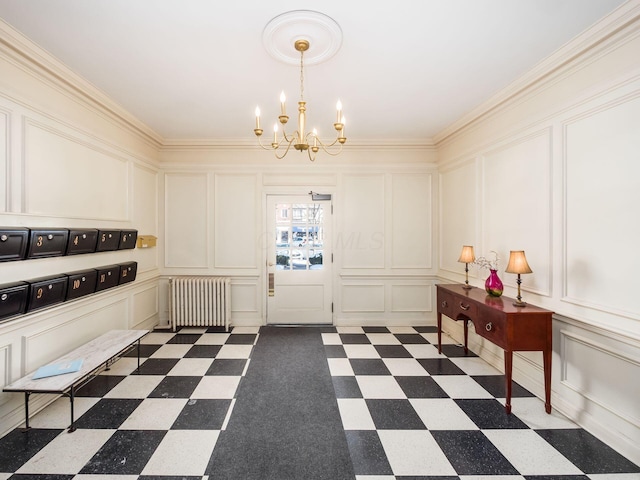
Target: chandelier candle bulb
[
  {"x": 339, "y": 108},
  {"x": 275, "y": 133},
  {"x": 315, "y": 137},
  {"x": 258, "y": 118},
  {"x": 283, "y": 99}
]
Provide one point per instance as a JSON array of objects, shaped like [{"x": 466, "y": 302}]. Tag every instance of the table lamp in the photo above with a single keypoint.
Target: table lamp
[
  {"x": 467, "y": 256},
  {"x": 518, "y": 264}
]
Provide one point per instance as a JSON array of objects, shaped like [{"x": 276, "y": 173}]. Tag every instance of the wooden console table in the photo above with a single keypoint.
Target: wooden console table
[{"x": 499, "y": 321}]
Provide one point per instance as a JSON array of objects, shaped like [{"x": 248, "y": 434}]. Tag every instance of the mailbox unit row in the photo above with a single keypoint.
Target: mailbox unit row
[
  {"x": 23, "y": 297},
  {"x": 26, "y": 243}
]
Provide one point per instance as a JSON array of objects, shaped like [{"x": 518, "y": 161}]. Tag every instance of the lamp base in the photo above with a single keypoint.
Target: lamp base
[
  {"x": 466, "y": 286},
  {"x": 518, "y": 303}
]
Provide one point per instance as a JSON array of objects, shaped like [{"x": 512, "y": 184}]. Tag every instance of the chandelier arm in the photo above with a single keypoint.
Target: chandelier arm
[
  {"x": 324, "y": 146},
  {"x": 333, "y": 154},
  {"x": 263, "y": 147},
  {"x": 280, "y": 157}
]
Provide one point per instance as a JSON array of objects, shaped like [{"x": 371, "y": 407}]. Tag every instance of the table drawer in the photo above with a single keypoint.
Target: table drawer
[{"x": 491, "y": 327}]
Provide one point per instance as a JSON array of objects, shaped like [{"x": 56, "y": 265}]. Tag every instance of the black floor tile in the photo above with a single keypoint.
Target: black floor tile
[
  {"x": 454, "y": 351},
  {"x": 218, "y": 329},
  {"x": 175, "y": 387},
  {"x": 471, "y": 453},
  {"x": 346, "y": 387},
  {"x": 411, "y": 338},
  {"x": 135, "y": 446},
  {"x": 367, "y": 453},
  {"x": 185, "y": 338},
  {"x": 496, "y": 386},
  {"x": 556, "y": 477},
  {"x": 156, "y": 366},
  {"x": 392, "y": 351},
  {"x": 426, "y": 329},
  {"x": 335, "y": 351},
  {"x": 19, "y": 445},
  {"x": 489, "y": 414},
  {"x": 241, "y": 339},
  {"x": 375, "y": 330},
  {"x": 108, "y": 413},
  {"x": 227, "y": 366},
  {"x": 440, "y": 366},
  {"x": 203, "y": 351},
  {"x": 202, "y": 414},
  {"x": 99, "y": 386},
  {"x": 369, "y": 366},
  {"x": 40, "y": 476},
  {"x": 394, "y": 415},
  {"x": 354, "y": 338},
  {"x": 145, "y": 351},
  {"x": 421, "y": 387},
  {"x": 586, "y": 452}
]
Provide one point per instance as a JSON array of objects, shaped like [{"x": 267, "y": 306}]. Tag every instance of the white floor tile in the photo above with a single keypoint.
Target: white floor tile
[
  {"x": 157, "y": 338},
  {"x": 615, "y": 476},
  {"x": 212, "y": 339},
  {"x": 235, "y": 351},
  {"x": 461, "y": 386},
  {"x": 405, "y": 367},
  {"x": 5, "y": 476},
  {"x": 191, "y": 367},
  {"x": 530, "y": 454},
  {"x": 383, "y": 339},
  {"x": 441, "y": 414},
  {"x": 124, "y": 366},
  {"x": 420, "y": 350},
  {"x": 361, "y": 351},
  {"x": 331, "y": 339},
  {"x": 105, "y": 477},
  {"x": 379, "y": 386},
  {"x": 531, "y": 411},
  {"x": 433, "y": 339},
  {"x": 135, "y": 386},
  {"x": 154, "y": 414},
  {"x": 254, "y": 329},
  {"x": 355, "y": 414},
  {"x": 172, "y": 350},
  {"x": 349, "y": 330},
  {"x": 375, "y": 477},
  {"x": 182, "y": 452},
  {"x": 217, "y": 386},
  {"x": 67, "y": 453},
  {"x": 193, "y": 330},
  {"x": 340, "y": 367},
  {"x": 475, "y": 366},
  {"x": 414, "y": 453},
  {"x": 493, "y": 477},
  {"x": 58, "y": 413},
  {"x": 402, "y": 330}
]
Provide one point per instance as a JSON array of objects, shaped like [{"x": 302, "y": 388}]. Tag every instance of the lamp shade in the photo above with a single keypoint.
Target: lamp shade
[
  {"x": 467, "y": 255},
  {"x": 518, "y": 263}
]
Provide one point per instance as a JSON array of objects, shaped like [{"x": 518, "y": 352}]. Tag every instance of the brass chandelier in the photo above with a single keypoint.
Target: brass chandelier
[{"x": 301, "y": 139}]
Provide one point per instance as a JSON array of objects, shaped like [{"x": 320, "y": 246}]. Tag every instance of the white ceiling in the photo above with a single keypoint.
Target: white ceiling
[{"x": 196, "y": 69}]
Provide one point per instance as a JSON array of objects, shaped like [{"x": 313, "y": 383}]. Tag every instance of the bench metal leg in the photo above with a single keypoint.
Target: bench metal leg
[
  {"x": 26, "y": 410},
  {"x": 138, "y": 355},
  {"x": 72, "y": 427}
]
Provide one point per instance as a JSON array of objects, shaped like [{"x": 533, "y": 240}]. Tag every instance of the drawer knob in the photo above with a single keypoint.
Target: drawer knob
[
  {"x": 464, "y": 307},
  {"x": 444, "y": 304},
  {"x": 488, "y": 327},
  {"x": 4, "y": 238}
]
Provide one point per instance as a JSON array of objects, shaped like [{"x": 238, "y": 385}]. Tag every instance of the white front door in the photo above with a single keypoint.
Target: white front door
[{"x": 299, "y": 260}]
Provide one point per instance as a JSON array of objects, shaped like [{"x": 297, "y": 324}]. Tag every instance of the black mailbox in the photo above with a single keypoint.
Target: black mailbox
[
  {"x": 13, "y": 299},
  {"x": 46, "y": 291},
  {"x": 128, "y": 272},
  {"x": 128, "y": 239},
  {"x": 48, "y": 243},
  {"x": 13, "y": 243},
  {"x": 81, "y": 283},
  {"x": 82, "y": 241},
  {"x": 108, "y": 276},
  {"x": 108, "y": 240}
]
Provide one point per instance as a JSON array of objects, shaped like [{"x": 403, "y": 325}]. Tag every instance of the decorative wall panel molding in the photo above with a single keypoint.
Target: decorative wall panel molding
[
  {"x": 5, "y": 365},
  {"x": 408, "y": 297},
  {"x": 48, "y": 152},
  {"x": 188, "y": 214},
  {"x": 5, "y": 161},
  {"x": 146, "y": 305},
  {"x": 363, "y": 298}
]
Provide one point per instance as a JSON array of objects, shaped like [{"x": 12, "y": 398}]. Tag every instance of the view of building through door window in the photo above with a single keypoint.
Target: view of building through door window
[{"x": 299, "y": 236}]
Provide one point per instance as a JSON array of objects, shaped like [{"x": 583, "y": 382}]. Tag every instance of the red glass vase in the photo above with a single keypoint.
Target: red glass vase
[{"x": 493, "y": 285}]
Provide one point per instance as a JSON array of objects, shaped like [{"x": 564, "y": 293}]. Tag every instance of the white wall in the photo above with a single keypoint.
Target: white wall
[
  {"x": 554, "y": 170},
  {"x": 66, "y": 162},
  {"x": 215, "y": 222}
]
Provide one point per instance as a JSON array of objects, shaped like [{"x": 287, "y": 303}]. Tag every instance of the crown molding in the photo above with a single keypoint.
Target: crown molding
[
  {"x": 34, "y": 59},
  {"x": 571, "y": 55}
]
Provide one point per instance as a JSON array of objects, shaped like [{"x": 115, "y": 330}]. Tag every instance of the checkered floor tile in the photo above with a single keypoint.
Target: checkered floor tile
[{"x": 407, "y": 413}]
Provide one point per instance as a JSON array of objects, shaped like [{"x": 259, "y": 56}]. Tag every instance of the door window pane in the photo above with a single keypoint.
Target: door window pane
[{"x": 299, "y": 236}]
